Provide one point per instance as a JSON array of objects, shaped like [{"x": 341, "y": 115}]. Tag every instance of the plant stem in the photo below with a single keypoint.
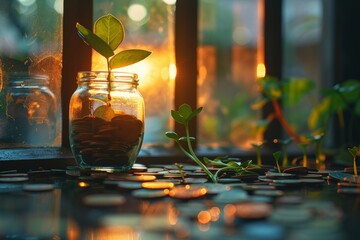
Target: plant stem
[
  {"x": 280, "y": 116},
  {"x": 109, "y": 83},
  {"x": 285, "y": 156},
  {"x": 355, "y": 167},
  {"x": 193, "y": 156}
]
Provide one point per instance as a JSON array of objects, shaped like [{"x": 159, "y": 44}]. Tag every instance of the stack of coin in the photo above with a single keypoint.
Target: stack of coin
[{"x": 106, "y": 143}]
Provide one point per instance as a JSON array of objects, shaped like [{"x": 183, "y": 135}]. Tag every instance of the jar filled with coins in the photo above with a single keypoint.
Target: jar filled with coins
[
  {"x": 106, "y": 117},
  {"x": 30, "y": 111}
]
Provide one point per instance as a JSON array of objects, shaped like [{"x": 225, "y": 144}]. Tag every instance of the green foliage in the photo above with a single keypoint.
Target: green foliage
[
  {"x": 277, "y": 156},
  {"x": 354, "y": 151},
  {"x": 107, "y": 36},
  {"x": 182, "y": 116}
]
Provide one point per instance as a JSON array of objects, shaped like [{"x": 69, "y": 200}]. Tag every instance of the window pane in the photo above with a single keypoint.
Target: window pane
[
  {"x": 228, "y": 55},
  {"x": 149, "y": 26},
  {"x": 30, "y": 46},
  {"x": 302, "y": 32}
]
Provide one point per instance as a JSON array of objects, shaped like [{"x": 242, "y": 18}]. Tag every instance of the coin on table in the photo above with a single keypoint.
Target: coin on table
[
  {"x": 348, "y": 185},
  {"x": 38, "y": 187},
  {"x": 349, "y": 190},
  {"x": 149, "y": 193},
  {"x": 269, "y": 193},
  {"x": 9, "y": 175},
  {"x": 195, "y": 180},
  {"x": 128, "y": 185},
  {"x": 253, "y": 210},
  {"x": 103, "y": 200},
  {"x": 187, "y": 192},
  {"x": 291, "y": 215},
  {"x": 139, "y": 178},
  {"x": 13, "y": 179},
  {"x": 157, "y": 185},
  {"x": 276, "y": 175}
]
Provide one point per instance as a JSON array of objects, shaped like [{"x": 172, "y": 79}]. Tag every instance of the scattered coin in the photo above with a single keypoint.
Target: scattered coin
[
  {"x": 290, "y": 200},
  {"x": 276, "y": 175},
  {"x": 296, "y": 170},
  {"x": 349, "y": 190},
  {"x": 13, "y": 179},
  {"x": 348, "y": 185},
  {"x": 147, "y": 193},
  {"x": 288, "y": 181},
  {"x": 187, "y": 192},
  {"x": 291, "y": 215},
  {"x": 312, "y": 181},
  {"x": 138, "y": 178},
  {"x": 103, "y": 200},
  {"x": 268, "y": 231},
  {"x": 195, "y": 180},
  {"x": 352, "y": 178},
  {"x": 231, "y": 196},
  {"x": 317, "y": 176},
  {"x": 215, "y": 188},
  {"x": 269, "y": 193},
  {"x": 128, "y": 185},
  {"x": 9, "y": 175},
  {"x": 157, "y": 185},
  {"x": 253, "y": 210},
  {"x": 253, "y": 187},
  {"x": 38, "y": 187}
]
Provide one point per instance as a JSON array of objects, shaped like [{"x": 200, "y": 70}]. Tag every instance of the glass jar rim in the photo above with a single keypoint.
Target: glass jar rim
[
  {"x": 101, "y": 76},
  {"x": 16, "y": 79}
]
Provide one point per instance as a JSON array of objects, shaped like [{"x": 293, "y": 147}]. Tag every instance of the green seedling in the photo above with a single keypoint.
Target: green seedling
[
  {"x": 317, "y": 139},
  {"x": 180, "y": 167},
  {"x": 258, "y": 147},
  {"x": 354, "y": 151},
  {"x": 183, "y": 116},
  {"x": 284, "y": 143},
  {"x": 303, "y": 146},
  {"x": 277, "y": 156},
  {"x": 108, "y": 34}
]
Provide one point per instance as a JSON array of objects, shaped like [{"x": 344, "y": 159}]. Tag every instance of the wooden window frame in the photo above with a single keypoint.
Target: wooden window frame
[{"x": 77, "y": 57}]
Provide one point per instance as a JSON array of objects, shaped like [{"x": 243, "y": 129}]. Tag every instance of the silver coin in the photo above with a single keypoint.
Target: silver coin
[
  {"x": 103, "y": 200},
  {"x": 147, "y": 193},
  {"x": 38, "y": 187}
]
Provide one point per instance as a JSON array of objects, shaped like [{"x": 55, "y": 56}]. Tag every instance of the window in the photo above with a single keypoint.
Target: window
[
  {"x": 30, "y": 73},
  {"x": 218, "y": 48}
]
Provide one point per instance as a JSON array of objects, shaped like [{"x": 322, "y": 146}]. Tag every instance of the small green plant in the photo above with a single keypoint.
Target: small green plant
[
  {"x": 107, "y": 36},
  {"x": 277, "y": 156},
  {"x": 303, "y": 145},
  {"x": 317, "y": 139},
  {"x": 354, "y": 151},
  {"x": 258, "y": 147},
  {"x": 284, "y": 143},
  {"x": 183, "y": 116},
  {"x": 180, "y": 167}
]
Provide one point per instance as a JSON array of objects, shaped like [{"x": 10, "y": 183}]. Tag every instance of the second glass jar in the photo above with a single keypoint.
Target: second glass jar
[{"x": 106, "y": 120}]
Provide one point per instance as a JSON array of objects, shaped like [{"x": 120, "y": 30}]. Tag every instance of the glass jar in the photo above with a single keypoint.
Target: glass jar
[
  {"x": 106, "y": 117},
  {"x": 30, "y": 111}
]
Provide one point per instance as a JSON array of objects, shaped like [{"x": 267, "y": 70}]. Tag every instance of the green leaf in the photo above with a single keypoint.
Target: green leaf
[
  {"x": 109, "y": 29},
  {"x": 354, "y": 150},
  {"x": 320, "y": 114},
  {"x": 277, "y": 155},
  {"x": 172, "y": 135},
  {"x": 259, "y": 103},
  {"x": 185, "y": 111},
  {"x": 271, "y": 87},
  {"x": 94, "y": 41},
  {"x": 186, "y": 138},
  {"x": 128, "y": 57},
  {"x": 350, "y": 90},
  {"x": 195, "y": 113},
  {"x": 296, "y": 89},
  {"x": 177, "y": 117}
]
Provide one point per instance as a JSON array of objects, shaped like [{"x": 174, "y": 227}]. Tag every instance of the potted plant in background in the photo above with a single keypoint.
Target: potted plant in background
[{"x": 106, "y": 110}]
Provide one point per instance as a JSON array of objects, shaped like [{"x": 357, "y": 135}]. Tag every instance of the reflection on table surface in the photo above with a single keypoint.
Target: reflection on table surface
[{"x": 156, "y": 202}]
